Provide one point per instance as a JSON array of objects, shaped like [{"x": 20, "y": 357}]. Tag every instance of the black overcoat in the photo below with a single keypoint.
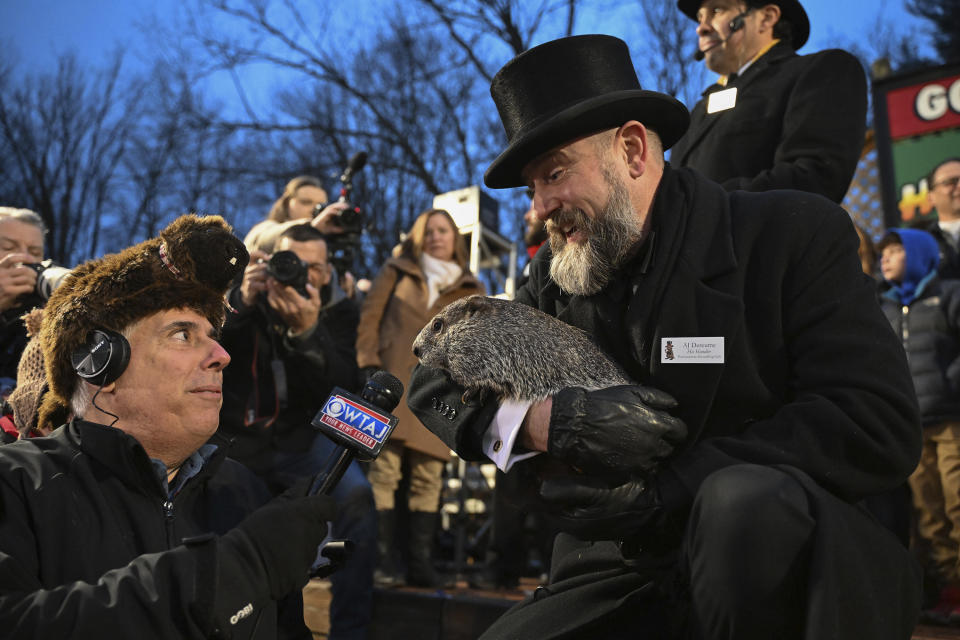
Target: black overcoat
[
  {"x": 798, "y": 123},
  {"x": 91, "y": 545},
  {"x": 813, "y": 379}
]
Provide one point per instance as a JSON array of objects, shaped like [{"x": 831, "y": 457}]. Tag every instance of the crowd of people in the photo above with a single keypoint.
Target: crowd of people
[{"x": 785, "y": 465}]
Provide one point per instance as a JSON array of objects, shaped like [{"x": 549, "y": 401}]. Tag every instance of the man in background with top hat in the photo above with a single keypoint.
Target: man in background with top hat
[
  {"x": 773, "y": 119},
  {"x": 717, "y": 497}
]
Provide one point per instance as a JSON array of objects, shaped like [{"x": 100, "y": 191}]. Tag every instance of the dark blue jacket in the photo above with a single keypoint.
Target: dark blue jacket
[{"x": 924, "y": 311}]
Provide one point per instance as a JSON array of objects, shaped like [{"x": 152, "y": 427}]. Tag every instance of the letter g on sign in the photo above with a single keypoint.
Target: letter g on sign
[{"x": 933, "y": 100}]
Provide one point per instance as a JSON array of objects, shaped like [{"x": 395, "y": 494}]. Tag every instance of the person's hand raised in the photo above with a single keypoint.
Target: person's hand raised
[
  {"x": 327, "y": 221},
  {"x": 15, "y": 279},
  {"x": 297, "y": 312},
  {"x": 254, "y": 277}
]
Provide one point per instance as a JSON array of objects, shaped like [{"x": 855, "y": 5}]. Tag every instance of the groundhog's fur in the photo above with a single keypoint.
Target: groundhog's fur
[{"x": 512, "y": 350}]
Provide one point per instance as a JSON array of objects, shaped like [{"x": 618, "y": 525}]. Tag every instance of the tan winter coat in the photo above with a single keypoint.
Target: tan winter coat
[{"x": 392, "y": 315}]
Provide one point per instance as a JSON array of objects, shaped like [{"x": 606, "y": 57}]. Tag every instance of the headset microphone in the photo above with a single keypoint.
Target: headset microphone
[
  {"x": 738, "y": 21},
  {"x": 735, "y": 25}
]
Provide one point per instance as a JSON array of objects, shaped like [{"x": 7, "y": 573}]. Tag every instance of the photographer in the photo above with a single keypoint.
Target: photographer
[
  {"x": 21, "y": 243},
  {"x": 296, "y": 206},
  {"x": 290, "y": 347},
  {"x": 123, "y": 522}
]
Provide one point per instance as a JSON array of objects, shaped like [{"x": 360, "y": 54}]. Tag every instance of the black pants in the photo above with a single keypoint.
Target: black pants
[
  {"x": 747, "y": 554},
  {"x": 767, "y": 553}
]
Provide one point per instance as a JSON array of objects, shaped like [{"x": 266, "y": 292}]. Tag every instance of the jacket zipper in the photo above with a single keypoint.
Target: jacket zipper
[{"x": 168, "y": 520}]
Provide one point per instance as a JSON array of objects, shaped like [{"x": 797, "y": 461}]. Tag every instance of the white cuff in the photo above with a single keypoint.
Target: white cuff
[{"x": 502, "y": 432}]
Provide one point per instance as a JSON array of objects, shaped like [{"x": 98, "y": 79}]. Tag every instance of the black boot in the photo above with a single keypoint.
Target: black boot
[
  {"x": 420, "y": 571},
  {"x": 495, "y": 574},
  {"x": 386, "y": 575}
]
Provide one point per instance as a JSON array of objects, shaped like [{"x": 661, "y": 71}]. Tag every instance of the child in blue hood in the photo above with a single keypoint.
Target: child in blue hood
[{"x": 925, "y": 312}]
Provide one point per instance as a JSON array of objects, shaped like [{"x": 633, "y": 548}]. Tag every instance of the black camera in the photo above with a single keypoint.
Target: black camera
[
  {"x": 288, "y": 269},
  {"x": 50, "y": 275},
  {"x": 341, "y": 247}
]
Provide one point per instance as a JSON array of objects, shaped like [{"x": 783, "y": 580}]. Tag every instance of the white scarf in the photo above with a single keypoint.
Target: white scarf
[
  {"x": 952, "y": 229},
  {"x": 440, "y": 274}
]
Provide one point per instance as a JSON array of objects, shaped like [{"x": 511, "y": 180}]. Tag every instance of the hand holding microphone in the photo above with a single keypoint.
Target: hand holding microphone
[
  {"x": 360, "y": 426},
  {"x": 268, "y": 555}
]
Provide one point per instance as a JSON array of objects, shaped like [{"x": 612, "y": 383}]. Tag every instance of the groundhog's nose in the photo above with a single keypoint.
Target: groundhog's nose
[{"x": 416, "y": 351}]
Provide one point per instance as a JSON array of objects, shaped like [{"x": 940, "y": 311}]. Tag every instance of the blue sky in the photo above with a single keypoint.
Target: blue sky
[
  {"x": 38, "y": 31},
  {"x": 41, "y": 29}
]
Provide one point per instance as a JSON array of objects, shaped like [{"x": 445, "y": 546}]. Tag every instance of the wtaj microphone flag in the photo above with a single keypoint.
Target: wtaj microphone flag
[{"x": 355, "y": 423}]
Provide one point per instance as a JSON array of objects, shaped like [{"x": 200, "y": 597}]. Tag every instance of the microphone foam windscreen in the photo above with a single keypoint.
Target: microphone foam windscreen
[{"x": 389, "y": 382}]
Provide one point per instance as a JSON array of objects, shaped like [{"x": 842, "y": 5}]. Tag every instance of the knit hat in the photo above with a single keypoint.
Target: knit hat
[
  {"x": 189, "y": 265},
  {"x": 31, "y": 378}
]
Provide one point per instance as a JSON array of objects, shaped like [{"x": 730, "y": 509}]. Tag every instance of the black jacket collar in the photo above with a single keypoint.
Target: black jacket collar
[{"x": 123, "y": 455}]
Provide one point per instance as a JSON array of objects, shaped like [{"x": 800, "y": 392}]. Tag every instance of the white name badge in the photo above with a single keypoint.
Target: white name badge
[
  {"x": 722, "y": 100},
  {"x": 691, "y": 350}
]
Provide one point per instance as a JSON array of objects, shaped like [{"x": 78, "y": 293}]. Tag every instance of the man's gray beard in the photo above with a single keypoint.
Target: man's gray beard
[{"x": 585, "y": 269}]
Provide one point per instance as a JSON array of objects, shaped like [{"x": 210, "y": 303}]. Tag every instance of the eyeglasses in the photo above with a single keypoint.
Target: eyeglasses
[{"x": 951, "y": 183}]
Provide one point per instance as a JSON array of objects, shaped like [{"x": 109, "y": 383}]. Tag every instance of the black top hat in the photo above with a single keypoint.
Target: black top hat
[
  {"x": 789, "y": 9},
  {"x": 567, "y": 88}
]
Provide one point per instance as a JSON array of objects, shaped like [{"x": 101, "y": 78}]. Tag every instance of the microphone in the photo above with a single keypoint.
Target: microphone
[
  {"x": 354, "y": 164},
  {"x": 735, "y": 25},
  {"x": 359, "y": 425}
]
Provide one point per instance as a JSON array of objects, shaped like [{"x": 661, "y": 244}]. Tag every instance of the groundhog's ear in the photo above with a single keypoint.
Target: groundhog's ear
[{"x": 474, "y": 304}]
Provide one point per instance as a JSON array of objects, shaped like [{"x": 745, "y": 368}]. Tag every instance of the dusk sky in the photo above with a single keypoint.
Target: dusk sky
[{"x": 41, "y": 29}]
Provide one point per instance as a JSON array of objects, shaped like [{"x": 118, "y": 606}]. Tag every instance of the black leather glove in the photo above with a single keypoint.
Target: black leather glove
[
  {"x": 590, "y": 510},
  {"x": 278, "y": 542},
  {"x": 617, "y": 431}
]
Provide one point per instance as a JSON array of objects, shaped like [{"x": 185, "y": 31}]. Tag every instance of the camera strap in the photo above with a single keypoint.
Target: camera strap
[{"x": 280, "y": 382}]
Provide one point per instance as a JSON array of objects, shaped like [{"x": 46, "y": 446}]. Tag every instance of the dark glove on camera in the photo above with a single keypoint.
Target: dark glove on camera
[
  {"x": 277, "y": 543},
  {"x": 614, "y": 431},
  {"x": 591, "y": 511}
]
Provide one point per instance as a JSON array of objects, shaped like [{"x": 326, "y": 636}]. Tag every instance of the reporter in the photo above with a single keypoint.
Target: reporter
[{"x": 123, "y": 520}]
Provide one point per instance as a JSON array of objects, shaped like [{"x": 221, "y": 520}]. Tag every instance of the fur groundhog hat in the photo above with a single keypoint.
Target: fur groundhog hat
[{"x": 189, "y": 265}]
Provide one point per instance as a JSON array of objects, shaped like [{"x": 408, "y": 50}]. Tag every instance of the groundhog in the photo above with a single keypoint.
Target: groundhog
[{"x": 512, "y": 350}]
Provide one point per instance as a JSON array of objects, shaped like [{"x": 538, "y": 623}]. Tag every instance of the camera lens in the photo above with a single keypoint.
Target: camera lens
[{"x": 285, "y": 267}]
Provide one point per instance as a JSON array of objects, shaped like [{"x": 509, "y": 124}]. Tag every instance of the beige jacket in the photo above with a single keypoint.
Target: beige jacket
[{"x": 392, "y": 315}]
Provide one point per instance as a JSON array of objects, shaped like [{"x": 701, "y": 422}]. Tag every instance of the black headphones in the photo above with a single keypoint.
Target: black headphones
[{"x": 102, "y": 358}]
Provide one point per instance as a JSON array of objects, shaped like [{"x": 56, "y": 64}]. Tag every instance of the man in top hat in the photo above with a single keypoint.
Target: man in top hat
[
  {"x": 717, "y": 497},
  {"x": 123, "y": 522},
  {"x": 773, "y": 119}
]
